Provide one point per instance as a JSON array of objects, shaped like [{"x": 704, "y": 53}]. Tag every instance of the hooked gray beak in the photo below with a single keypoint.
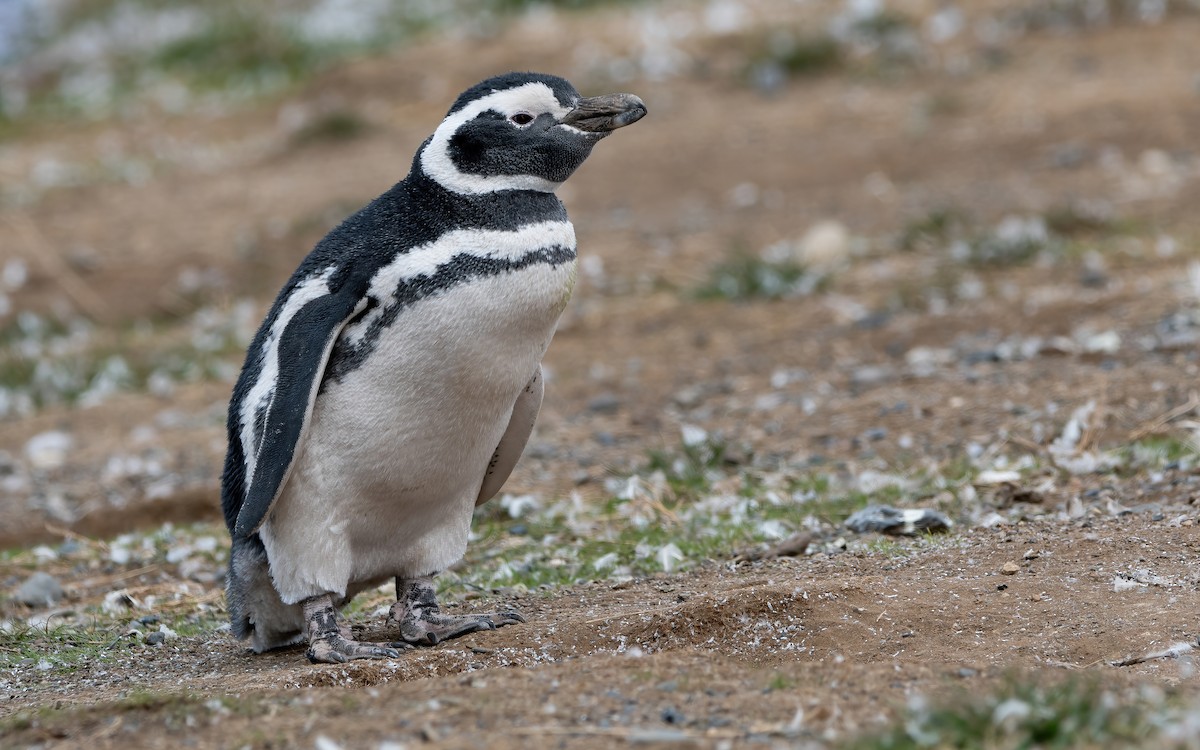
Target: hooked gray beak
[{"x": 604, "y": 114}]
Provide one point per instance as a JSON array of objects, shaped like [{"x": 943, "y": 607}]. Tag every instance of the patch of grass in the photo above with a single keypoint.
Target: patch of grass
[
  {"x": 1159, "y": 452},
  {"x": 61, "y": 647},
  {"x": 773, "y": 58},
  {"x": 835, "y": 508},
  {"x": 932, "y": 231},
  {"x": 888, "y": 547},
  {"x": 882, "y": 25},
  {"x": 780, "y": 681},
  {"x": 691, "y": 470},
  {"x": 240, "y": 49},
  {"x": 682, "y": 507},
  {"x": 335, "y": 126},
  {"x": 887, "y": 41},
  {"x": 1014, "y": 241},
  {"x": 511, "y": 6},
  {"x": 803, "y": 54},
  {"x": 1071, "y": 714},
  {"x": 746, "y": 276},
  {"x": 1076, "y": 219}
]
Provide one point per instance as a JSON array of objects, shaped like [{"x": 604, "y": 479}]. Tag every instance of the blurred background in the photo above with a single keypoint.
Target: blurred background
[
  {"x": 863, "y": 238},
  {"x": 934, "y": 254}
]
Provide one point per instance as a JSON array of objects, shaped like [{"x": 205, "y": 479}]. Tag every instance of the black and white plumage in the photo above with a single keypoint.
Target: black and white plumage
[{"x": 396, "y": 378}]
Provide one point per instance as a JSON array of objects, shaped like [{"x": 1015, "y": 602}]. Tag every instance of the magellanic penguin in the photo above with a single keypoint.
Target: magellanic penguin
[{"x": 396, "y": 378}]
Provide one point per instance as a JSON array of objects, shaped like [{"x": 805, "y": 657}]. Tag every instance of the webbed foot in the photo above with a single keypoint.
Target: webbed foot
[
  {"x": 421, "y": 621},
  {"x": 330, "y": 640}
]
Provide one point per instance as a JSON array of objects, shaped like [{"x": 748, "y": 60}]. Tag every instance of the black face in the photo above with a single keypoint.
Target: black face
[{"x": 523, "y": 143}]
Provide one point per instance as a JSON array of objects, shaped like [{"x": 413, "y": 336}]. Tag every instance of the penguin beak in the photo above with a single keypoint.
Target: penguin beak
[{"x": 604, "y": 114}]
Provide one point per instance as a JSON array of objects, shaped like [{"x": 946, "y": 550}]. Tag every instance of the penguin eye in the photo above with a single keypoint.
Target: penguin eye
[{"x": 522, "y": 118}]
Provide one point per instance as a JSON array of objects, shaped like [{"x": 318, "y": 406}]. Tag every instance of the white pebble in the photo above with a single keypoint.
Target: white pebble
[{"x": 48, "y": 450}]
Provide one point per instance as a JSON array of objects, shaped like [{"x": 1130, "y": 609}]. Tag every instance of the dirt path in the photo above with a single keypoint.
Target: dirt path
[{"x": 730, "y": 651}]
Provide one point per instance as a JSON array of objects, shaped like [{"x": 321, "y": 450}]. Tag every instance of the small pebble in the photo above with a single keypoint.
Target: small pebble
[
  {"x": 604, "y": 403},
  {"x": 157, "y": 638},
  {"x": 48, "y": 450},
  {"x": 671, "y": 715},
  {"x": 1010, "y": 569},
  {"x": 39, "y": 590}
]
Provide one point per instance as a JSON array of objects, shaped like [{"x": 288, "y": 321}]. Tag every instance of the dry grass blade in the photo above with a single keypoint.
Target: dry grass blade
[
  {"x": 1157, "y": 424},
  {"x": 46, "y": 254}
]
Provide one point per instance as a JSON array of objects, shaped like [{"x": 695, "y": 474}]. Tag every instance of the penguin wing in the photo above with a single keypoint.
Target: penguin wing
[
  {"x": 516, "y": 435},
  {"x": 302, "y": 350}
]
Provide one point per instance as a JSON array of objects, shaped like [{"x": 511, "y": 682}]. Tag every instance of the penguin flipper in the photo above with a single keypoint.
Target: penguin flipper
[
  {"x": 303, "y": 351},
  {"x": 516, "y": 435}
]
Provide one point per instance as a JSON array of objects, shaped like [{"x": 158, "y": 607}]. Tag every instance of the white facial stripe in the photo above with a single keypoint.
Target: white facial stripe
[
  {"x": 573, "y": 129},
  {"x": 263, "y": 390},
  {"x": 534, "y": 98},
  {"x": 425, "y": 260}
]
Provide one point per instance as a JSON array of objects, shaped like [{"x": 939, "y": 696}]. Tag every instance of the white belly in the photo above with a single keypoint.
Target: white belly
[{"x": 387, "y": 478}]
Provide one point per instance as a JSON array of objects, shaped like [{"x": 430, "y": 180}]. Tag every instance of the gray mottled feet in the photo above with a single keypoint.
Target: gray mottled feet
[
  {"x": 421, "y": 620},
  {"x": 330, "y": 640}
]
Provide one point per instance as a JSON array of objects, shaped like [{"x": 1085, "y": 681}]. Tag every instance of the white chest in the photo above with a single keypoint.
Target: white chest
[{"x": 396, "y": 449}]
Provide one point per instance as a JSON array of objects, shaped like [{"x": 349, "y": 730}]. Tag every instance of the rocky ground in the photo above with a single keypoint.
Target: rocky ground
[{"x": 934, "y": 256}]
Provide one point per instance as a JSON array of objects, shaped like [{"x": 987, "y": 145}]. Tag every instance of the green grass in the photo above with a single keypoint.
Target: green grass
[
  {"x": 744, "y": 276},
  {"x": 512, "y": 6},
  {"x": 931, "y": 231},
  {"x": 691, "y": 469},
  {"x": 64, "y": 647},
  {"x": 780, "y": 681},
  {"x": 1158, "y": 452},
  {"x": 681, "y": 508},
  {"x": 1070, "y": 714},
  {"x": 801, "y": 54},
  {"x": 332, "y": 127}
]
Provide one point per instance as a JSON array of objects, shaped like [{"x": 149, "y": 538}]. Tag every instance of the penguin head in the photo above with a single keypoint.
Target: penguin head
[{"x": 521, "y": 131}]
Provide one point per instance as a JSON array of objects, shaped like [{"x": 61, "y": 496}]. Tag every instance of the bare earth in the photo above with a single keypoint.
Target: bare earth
[{"x": 790, "y": 650}]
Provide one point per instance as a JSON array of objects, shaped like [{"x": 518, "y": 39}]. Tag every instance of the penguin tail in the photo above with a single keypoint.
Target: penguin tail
[{"x": 255, "y": 610}]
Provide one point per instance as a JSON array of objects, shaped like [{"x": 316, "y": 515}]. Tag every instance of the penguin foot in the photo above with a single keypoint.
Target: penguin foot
[
  {"x": 421, "y": 621},
  {"x": 330, "y": 640}
]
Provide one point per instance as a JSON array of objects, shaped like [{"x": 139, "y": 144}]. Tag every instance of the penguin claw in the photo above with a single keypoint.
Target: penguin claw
[
  {"x": 431, "y": 628},
  {"x": 330, "y": 639},
  {"x": 333, "y": 649},
  {"x": 421, "y": 621}
]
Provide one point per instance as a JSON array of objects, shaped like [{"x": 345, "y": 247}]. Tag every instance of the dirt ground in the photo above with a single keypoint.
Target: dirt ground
[{"x": 796, "y": 651}]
